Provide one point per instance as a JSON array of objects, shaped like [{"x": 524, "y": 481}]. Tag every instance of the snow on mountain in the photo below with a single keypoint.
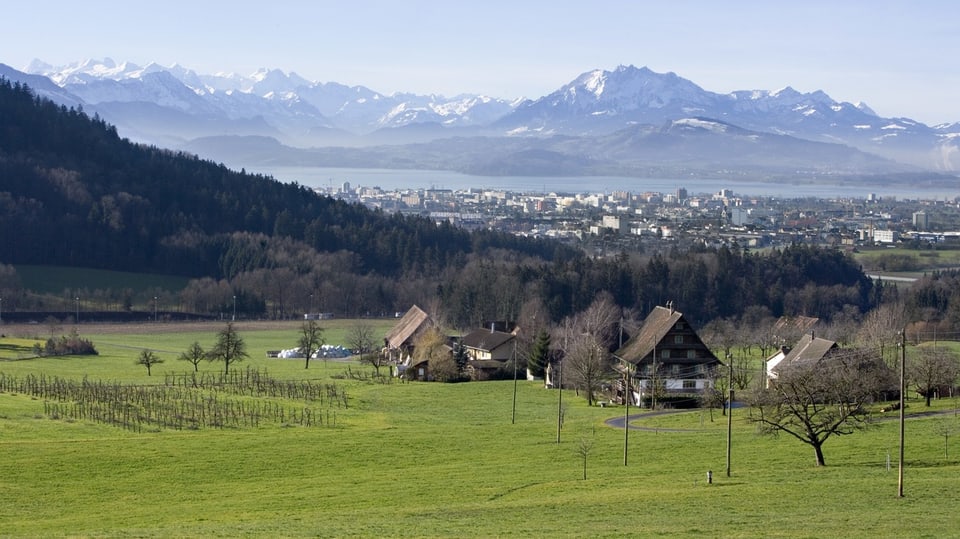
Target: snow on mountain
[
  {"x": 275, "y": 81},
  {"x": 270, "y": 102},
  {"x": 279, "y": 97},
  {"x": 698, "y": 123},
  {"x": 628, "y": 88},
  {"x": 602, "y": 101},
  {"x": 43, "y": 86}
]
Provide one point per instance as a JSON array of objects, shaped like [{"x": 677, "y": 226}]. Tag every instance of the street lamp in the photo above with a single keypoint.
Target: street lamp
[
  {"x": 78, "y": 309},
  {"x": 154, "y": 308},
  {"x": 234, "y": 308}
]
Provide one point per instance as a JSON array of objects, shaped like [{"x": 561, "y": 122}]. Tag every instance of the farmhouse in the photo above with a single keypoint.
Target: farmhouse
[
  {"x": 809, "y": 348},
  {"x": 488, "y": 350},
  {"x": 667, "y": 360},
  {"x": 825, "y": 356},
  {"x": 398, "y": 342}
]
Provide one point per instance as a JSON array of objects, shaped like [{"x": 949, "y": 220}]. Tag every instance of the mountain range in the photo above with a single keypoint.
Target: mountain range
[{"x": 628, "y": 121}]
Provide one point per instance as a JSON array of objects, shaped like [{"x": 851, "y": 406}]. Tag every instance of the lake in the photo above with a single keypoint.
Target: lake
[{"x": 393, "y": 180}]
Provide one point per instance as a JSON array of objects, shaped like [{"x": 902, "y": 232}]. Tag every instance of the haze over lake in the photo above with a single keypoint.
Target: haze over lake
[{"x": 392, "y": 180}]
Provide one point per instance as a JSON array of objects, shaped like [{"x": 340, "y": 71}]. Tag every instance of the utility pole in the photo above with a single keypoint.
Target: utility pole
[
  {"x": 513, "y": 420},
  {"x": 626, "y": 413},
  {"x": 729, "y": 411},
  {"x": 903, "y": 391},
  {"x": 559, "y": 398},
  {"x": 654, "y": 378}
]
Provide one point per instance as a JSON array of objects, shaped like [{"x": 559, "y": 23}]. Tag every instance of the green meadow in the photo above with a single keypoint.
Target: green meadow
[{"x": 444, "y": 460}]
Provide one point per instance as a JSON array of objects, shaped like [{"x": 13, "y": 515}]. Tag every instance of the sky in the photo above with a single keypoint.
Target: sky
[{"x": 901, "y": 58}]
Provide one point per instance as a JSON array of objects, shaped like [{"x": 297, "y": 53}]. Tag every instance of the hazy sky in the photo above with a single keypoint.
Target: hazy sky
[{"x": 901, "y": 58}]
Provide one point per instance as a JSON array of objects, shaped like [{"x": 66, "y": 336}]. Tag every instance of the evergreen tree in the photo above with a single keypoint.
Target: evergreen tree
[{"x": 539, "y": 355}]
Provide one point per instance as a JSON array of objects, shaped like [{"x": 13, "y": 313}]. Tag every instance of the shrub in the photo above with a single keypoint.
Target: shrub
[{"x": 69, "y": 345}]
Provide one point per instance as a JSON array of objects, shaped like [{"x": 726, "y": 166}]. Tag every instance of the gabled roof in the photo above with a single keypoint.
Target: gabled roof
[
  {"x": 484, "y": 339},
  {"x": 413, "y": 320},
  {"x": 800, "y": 323},
  {"x": 808, "y": 349},
  {"x": 660, "y": 321}
]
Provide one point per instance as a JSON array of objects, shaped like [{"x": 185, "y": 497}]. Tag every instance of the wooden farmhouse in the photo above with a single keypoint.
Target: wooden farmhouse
[
  {"x": 668, "y": 361},
  {"x": 399, "y": 341}
]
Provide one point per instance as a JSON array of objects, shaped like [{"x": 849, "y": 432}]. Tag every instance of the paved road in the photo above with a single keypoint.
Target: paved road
[{"x": 619, "y": 422}]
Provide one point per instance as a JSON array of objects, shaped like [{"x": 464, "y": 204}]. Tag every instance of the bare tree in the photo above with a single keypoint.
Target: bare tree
[
  {"x": 601, "y": 320},
  {"x": 194, "y": 355},
  {"x": 844, "y": 325},
  {"x": 230, "y": 347},
  {"x": 585, "y": 340},
  {"x": 933, "y": 369},
  {"x": 946, "y": 427},
  {"x": 431, "y": 346},
  {"x": 54, "y": 327},
  {"x": 587, "y": 365},
  {"x": 148, "y": 359},
  {"x": 880, "y": 328},
  {"x": 743, "y": 374},
  {"x": 715, "y": 396},
  {"x": 720, "y": 334},
  {"x": 583, "y": 451},
  {"x": 764, "y": 338},
  {"x": 311, "y": 339},
  {"x": 360, "y": 340},
  {"x": 816, "y": 400}
]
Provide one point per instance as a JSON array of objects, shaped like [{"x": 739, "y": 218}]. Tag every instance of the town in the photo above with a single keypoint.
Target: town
[{"x": 610, "y": 223}]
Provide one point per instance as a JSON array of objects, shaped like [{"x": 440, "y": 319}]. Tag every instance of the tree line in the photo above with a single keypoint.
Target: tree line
[{"x": 80, "y": 195}]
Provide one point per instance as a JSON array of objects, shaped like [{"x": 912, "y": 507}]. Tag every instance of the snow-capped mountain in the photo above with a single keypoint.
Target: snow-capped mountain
[
  {"x": 599, "y": 102},
  {"x": 173, "y": 105},
  {"x": 604, "y": 101},
  {"x": 301, "y": 112}
]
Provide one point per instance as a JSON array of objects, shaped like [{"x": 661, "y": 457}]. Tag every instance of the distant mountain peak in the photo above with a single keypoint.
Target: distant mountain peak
[{"x": 299, "y": 112}]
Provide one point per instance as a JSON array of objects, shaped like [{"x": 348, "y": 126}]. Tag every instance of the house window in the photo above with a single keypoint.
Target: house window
[
  {"x": 689, "y": 384},
  {"x": 680, "y": 325},
  {"x": 678, "y": 339},
  {"x": 664, "y": 354},
  {"x": 674, "y": 369},
  {"x": 691, "y": 354}
]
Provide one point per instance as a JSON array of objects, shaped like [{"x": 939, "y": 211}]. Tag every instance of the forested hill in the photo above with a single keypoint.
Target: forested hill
[{"x": 77, "y": 194}]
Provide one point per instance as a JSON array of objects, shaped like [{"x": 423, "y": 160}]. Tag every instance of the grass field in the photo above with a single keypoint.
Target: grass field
[{"x": 446, "y": 460}]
